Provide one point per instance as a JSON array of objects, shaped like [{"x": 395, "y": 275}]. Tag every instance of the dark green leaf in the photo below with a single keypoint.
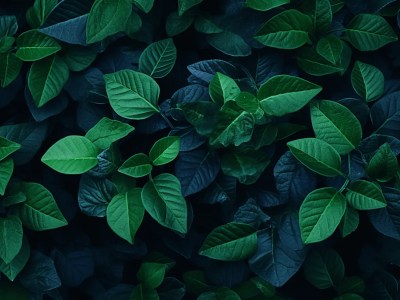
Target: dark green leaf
[
  {"x": 138, "y": 165},
  {"x": 365, "y": 195},
  {"x": 367, "y": 81}
]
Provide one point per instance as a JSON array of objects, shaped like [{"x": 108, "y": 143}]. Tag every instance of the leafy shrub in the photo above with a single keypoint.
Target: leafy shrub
[{"x": 232, "y": 149}]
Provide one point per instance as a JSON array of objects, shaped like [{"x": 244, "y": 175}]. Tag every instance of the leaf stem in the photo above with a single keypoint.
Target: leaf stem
[
  {"x": 346, "y": 183},
  {"x": 166, "y": 119}
]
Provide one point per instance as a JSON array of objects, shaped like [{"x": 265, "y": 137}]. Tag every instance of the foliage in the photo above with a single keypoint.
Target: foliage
[{"x": 199, "y": 149}]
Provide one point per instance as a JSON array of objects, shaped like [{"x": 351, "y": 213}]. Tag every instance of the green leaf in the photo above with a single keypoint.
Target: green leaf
[
  {"x": 316, "y": 155},
  {"x": 203, "y": 115},
  {"x": 367, "y": 32},
  {"x": 78, "y": 58},
  {"x": 177, "y": 24},
  {"x": 286, "y": 30},
  {"x": 203, "y": 24},
  {"x": 11, "y": 234},
  {"x": 264, "y": 5},
  {"x": 336, "y": 125},
  {"x": 39, "y": 211},
  {"x": 219, "y": 293},
  {"x": 6, "y": 170},
  {"x": 133, "y": 25},
  {"x": 320, "y": 13},
  {"x": 324, "y": 269},
  {"x": 33, "y": 45},
  {"x": 365, "y": 195},
  {"x": 107, "y": 18},
  {"x": 249, "y": 103},
  {"x": 71, "y": 155},
  {"x": 14, "y": 199},
  {"x": 367, "y": 81},
  {"x": 151, "y": 274},
  {"x": 255, "y": 287},
  {"x": 132, "y": 95},
  {"x": 286, "y": 130},
  {"x": 383, "y": 166},
  {"x": 7, "y": 147},
  {"x": 158, "y": 59},
  {"x": 144, "y": 5},
  {"x": 330, "y": 48},
  {"x": 284, "y": 94},
  {"x": 336, "y": 5},
  {"x": 230, "y": 242},
  {"x": 38, "y": 13},
  {"x": 349, "y": 222},
  {"x": 185, "y": 5},
  {"x": 222, "y": 88},
  {"x": 140, "y": 292},
  {"x": 229, "y": 43},
  {"x": 8, "y": 25},
  {"x": 320, "y": 214},
  {"x": 107, "y": 131},
  {"x": 165, "y": 150},
  {"x": 46, "y": 79},
  {"x": 12, "y": 291},
  {"x": 12, "y": 269},
  {"x": 125, "y": 213},
  {"x": 234, "y": 126},
  {"x": 195, "y": 281},
  {"x": 162, "y": 198},
  {"x": 10, "y": 66},
  {"x": 352, "y": 284},
  {"x": 314, "y": 64},
  {"x": 136, "y": 166}
]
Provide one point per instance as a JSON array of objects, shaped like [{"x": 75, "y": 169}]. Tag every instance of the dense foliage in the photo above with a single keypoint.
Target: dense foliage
[{"x": 199, "y": 149}]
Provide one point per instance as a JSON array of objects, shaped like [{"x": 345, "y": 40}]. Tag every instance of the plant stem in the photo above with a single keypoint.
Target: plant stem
[{"x": 166, "y": 120}]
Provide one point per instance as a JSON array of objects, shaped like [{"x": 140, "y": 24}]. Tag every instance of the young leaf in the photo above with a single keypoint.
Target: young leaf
[
  {"x": 151, "y": 274},
  {"x": 6, "y": 170},
  {"x": 286, "y": 30},
  {"x": 107, "y": 131},
  {"x": 132, "y": 95},
  {"x": 316, "y": 155},
  {"x": 12, "y": 269},
  {"x": 33, "y": 45},
  {"x": 136, "y": 166},
  {"x": 223, "y": 88},
  {"x": 125, "y": 214},
  {"x": 158, "y": 59},
  {"x": 10, "y": 66},
  {"x": 230, "y": 242},
  {"x": 11, "y": 235},
  {"x": 324, "y": 269},
  {"x": 367, "y": 81},
  {"x": 71, "y": 155},
  {"x": 164, "y": 150},
  {"x": 330, "y": 48},
  {"x": 349, "y": 222},
  {"x": 185, "y": 5},
  {"x": 336, "y": 125},
  {"x": 367, "y": 32},
  {"x": 144, "y": 5},
  {"x": 264, "y": 5},
  {"x": 365, "y": 195},
  {"x": 320, "y": 214},
  {"x": 40, "y": 211},
  {"x": 46, "y": 79},
  {"x": 383, "y": 166},
  {"x": 162, "y": 199},
  {"x": 7, "y": 147},
  {"x": 107, "y": 18},
  {"x": 284, "y": 94}
]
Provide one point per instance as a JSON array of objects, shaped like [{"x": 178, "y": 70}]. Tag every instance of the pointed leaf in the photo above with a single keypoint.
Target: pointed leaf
[
  {"x": 367, "y": 81},
  {"x": 10, "y": 66},
  {"x": 138, "y": 165},
  {"x": 164, "y": 150},
  {"x": 33, "y": 45},
  {"x": 365, "y": 195},
  {"x": 11, "y": 234},
  {"x": 223, "y": 88}
]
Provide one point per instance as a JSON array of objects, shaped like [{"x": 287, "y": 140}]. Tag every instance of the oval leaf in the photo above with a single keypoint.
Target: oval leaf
[
  {"x": 365, "y": 195},
  {"x": 165, "y": 150}
]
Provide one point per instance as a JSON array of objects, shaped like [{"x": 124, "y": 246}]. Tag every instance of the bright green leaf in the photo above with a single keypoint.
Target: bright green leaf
[
  {"x": 330, "y": 48},
  {"x": 39, "y": 211},
  {"x": 107, "y": 131},
  {"x": 158, "y": 59},
  {"x": 7, "y": 147},
  {"x": 284, "y": 94},
  {"x": 367, "y": 32},
  {"x": 125, "y": 213},
  {"x": 46, "y": 79},
  {"x": 132, "y": 95},
  {"x": 223, "y": 88},
  {"x": 367, "y": 81},
  {"x": 107, "y": 18},
  {"x": 33, "y": 45},
  {"x": 165, "y": 150},
  {"x": 314, "y": 64},
  {"x": 230, "y": 242},
  {"x": 71, "y": 155},
  {"x": 336, "y": 125},
  {"x": 316, "y": 155},
  {"x": 136, "y": 166},
  {"x": 162, "y": 198},
  {"x": 320, "y": 214},
  {"x": 365, "y": 195},
  {"x": 286, "y": 30}
]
